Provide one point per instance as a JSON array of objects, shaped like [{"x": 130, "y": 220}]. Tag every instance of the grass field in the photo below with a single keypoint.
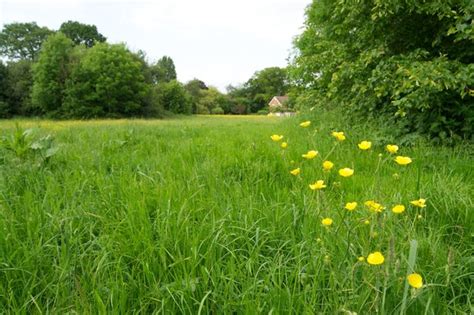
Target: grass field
[{"x": 202, "y": 216}]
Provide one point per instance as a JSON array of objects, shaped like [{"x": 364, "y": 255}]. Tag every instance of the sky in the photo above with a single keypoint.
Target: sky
[{"x": 220, "y": 42}]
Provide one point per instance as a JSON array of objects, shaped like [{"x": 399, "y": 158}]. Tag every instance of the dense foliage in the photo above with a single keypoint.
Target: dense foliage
[
  {"x": 22, "y": 40},
  {"x": 83, "y": 34},
  {"x": 256, "y": 93},
  {"x": 163, "y": 70},
  {"x": 408, "y": 63},
  {"x": 50, "y": 74},
  {"x": 106, "y": 81},
  {"x": 173, "y": 97}
]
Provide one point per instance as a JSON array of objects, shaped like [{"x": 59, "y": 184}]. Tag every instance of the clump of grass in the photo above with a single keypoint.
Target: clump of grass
[{"x": 201, "y": 215}]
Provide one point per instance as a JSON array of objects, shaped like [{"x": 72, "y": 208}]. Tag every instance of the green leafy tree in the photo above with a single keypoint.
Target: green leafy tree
[
  {"x": 257, "y": 92},
  {"x": 409, "y": 64},
  {"x": 22, "y": 40},
  {"x": 4, "y": 105},
  {"x": 164, "y": 70},
  {"x": 194, "y": 88},
  {"x": 106, "y": 80},
  {"x": 50, "y": 74},
  {"x": 19, "y": 87},
  {"x": 211, "y": 99},
  {"x": 82, "y": 34},
  {"x": 173, "y": 97}
]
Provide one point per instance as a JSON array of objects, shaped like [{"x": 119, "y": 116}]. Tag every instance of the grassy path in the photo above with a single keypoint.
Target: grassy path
[{"x": 201, "y": 215}]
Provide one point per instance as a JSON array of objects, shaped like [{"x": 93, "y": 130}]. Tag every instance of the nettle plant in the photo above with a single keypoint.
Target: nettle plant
[
  {"x": 360, "y": 228},
  {"x": 27, "y": 145}
]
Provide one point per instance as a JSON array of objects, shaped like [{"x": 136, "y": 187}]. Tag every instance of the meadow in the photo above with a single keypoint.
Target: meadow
[{"x": 201, "y": 215}]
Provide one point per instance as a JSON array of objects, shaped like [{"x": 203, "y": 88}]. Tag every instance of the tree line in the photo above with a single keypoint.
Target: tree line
[{"x": 73, "y": 72}]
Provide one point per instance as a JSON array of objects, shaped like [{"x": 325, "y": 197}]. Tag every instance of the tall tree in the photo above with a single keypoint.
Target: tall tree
[
  {"x": 20, "y": 83},
  {"x": 195, "y": 88},
  {"x": 51, "y": 72},
  {"x": 4, "y": 105},
  {"x": 81, "y": 33},
  {"x": 22, "y": 40},
  {"x": 164, "y": 70}
]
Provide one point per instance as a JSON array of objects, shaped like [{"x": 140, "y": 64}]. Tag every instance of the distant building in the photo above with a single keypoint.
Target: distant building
[
  {"x": 278, "y": 103},
  {"x": 278, "y": 106}
]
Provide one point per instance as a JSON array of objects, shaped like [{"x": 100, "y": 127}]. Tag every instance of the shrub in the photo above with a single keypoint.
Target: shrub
[
  {"x": 217, "y": 111},
  {"x": 106, "y": 80},
  {"x": 409, "y": 62},
  {"x": 174, "y": 97},
  {"x": 202, "y": 110}
]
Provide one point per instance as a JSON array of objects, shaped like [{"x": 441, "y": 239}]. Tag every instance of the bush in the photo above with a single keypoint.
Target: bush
[
  {"x": 263, "y": 112},
  {"x": 217, "y": 111},
  {"x": 409, "y": 62},
  {"x": 173, "y": 97},
  {"x": 106, "y": 80},
  {"x": 202, "y": 110}
]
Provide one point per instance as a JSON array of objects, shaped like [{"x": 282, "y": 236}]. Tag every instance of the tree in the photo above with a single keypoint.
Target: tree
[
  {"x": 260, "y": 88},
  {"x": 4, "y": 106},
  {"x": 194, "y": 88},
  {"x": 164, "y": 70},
  {"x": 82, "y": 34},
  {"x": 174, "y": 97},
  {"x": 19, "y": 86},
  {"x": 211, "y": 99},
  {"x": 106, "y": 80},
  {"x": 50, "y": 74},
  {"x": 408, "y": 63},
  {"x": 22, "y": 40}
]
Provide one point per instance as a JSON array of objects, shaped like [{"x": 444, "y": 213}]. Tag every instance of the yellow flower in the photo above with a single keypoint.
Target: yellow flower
[
  {"x": 375, "y": 258},
  {"x": 346, "y": 172},
  {"x": 366, "y": 222},
  {"x": 374, "y": 206},
  {"x": 284, "y": 145},
  {"x": 276, "y": 138},
  {"x": 351, "y": 206},
  {"x": 327, "y": 165},
  {"x": 339, "y": 135},
  {"x": 392, "y": 148},
  {"x": 421, "y": 203},
  {"x": 398, "y": 209},
  {"x": 305, "y": 124},
  {"x": 317, "y": 185},
  {"x": 296, "y": 171},
  {"x": 365, "y": 145},
  {"x": 326, "y": 221},
  {"x": 403, "y": 160},
  {"x": 361, "y": 258},
  {"x": 310, "y": 155},
  {"x": 415, "y": 280}
]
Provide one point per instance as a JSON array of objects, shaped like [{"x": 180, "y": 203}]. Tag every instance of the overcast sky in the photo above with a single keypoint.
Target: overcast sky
[{"x": 218, "y": 41}]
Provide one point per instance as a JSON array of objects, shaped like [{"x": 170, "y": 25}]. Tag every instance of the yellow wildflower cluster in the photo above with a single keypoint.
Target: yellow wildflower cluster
[{"x": 376, "y": 213}]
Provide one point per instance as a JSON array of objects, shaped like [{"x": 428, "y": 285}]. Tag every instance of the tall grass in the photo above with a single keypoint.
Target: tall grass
[{"x": 201, "y": 215}]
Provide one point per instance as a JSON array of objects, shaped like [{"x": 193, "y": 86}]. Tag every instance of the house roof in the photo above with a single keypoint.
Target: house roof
[{"x": 282, "y": 99}]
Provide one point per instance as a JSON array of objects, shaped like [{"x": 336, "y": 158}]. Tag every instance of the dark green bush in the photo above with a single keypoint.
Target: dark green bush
[
  {"x": 408, "y": 62},
  {"x": 217, "y": 111}
]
